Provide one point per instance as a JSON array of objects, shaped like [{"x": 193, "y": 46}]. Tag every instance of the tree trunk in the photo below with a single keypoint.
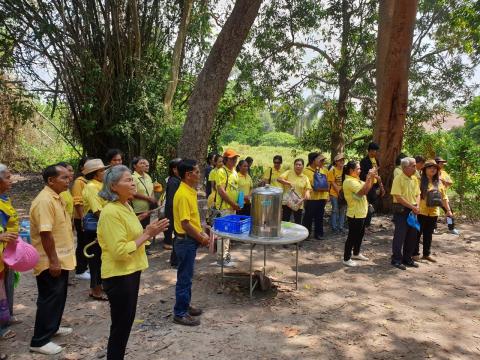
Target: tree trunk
[
  {"x": 177, "y": 59},
  {"x": 394, "y": 44},
  {"x": 212, "y": 80}
]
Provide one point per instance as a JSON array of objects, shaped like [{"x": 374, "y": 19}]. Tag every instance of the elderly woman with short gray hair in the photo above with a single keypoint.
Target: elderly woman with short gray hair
[{"x": 122, "y": 239}]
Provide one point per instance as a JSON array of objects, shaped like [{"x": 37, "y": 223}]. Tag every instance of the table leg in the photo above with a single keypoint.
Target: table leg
[
  {"x": 221, "y": 265},
  {"x": 296, "y": 267},
  {"x": 251, "y": 270},
  {"x": 264, "y": 258}
]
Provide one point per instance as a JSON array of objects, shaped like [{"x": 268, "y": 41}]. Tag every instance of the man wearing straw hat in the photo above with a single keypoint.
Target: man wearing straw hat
[{"x": 52, "y": 236}]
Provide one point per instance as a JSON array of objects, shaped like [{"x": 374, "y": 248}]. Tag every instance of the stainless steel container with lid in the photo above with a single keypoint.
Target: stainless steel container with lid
[{"x": 266, "y": 211}]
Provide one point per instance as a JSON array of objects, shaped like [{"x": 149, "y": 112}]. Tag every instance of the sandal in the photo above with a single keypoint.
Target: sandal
[
  {"x": 98, "y": 298},
  {"x": 8, "y": 334}
]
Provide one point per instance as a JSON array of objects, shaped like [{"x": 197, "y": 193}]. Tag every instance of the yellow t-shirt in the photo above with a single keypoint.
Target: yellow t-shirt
[
  {"x": 374, "y": 164},
  {"x": 144, "y": 186},
  {"x": 91, "y": 201},
  {"x": 68, "y": 199},
  {"x": 434, "y": 210},
  {"x": 185, "y": 207},
  {"x": 445, "y": 178},
  {"x": 275, "y": 175},
  {"x": 231, "y": 188},
  {"x": 407, "y": 187},
  {"x": 245, "y": 184},
  {"x": 300, "y": 183},
  {"x": 357, "y": 206},
  {"x": 316, "y": 195},
  {"x": 118, "y": 228},
  {"x": 48, "y": 214},
  {"x": 9, "y": 222},
  {"x": 334, "y": 176}
]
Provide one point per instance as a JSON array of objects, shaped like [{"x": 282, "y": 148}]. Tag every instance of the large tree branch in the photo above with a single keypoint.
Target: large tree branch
[{"x": 322, "y": 52}]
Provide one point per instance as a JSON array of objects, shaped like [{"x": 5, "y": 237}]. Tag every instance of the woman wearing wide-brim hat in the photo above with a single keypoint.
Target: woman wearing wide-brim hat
[
  {"x": 433, "y": 195},
  {"x": 93, "y": 204}
]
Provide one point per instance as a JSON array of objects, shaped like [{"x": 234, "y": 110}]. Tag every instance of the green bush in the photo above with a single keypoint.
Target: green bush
[{"x": 277, "y": 138}]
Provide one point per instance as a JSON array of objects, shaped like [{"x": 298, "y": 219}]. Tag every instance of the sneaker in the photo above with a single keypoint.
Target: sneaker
[
  {"x": 47, "y": 349},
  {"x": 186, "y": 320},
  {"x": 429, "y": 258},
  {"x": 360, "y": 257},
  {"x": 192, "y": 311},
  {"x": 455, "y": 232},
  {"x": 63, "y": 331},
  {"x": 349, "y": 263},
  {"x": 226, "y": 263},
  {"x": 83, "y": 276},
  {"x": 399, "y": 265},
  {"x": 436, "y": 232}
]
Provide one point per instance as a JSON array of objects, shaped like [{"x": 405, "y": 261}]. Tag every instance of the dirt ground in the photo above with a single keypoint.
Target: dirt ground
[{"x": 373, "y": 311}]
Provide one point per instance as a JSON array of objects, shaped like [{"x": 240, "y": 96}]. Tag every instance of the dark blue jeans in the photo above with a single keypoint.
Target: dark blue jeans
[{"x": 186, "y": 250}]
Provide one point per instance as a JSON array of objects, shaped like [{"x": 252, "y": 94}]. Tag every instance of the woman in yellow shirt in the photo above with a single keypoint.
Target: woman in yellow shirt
[
  {"x": 355, "y": 192},
  {"x": 212, "y": 178},
  {"x": 245, "y": 185},
  {"x": 9, "y": 226},
  {"x": 122, "y": 240},
  {"x": 94, "y": 171},
  {"x": 428, "y": 214},
  {"x": 144, "y": 199},
  {"x": 295, "y": 180}
]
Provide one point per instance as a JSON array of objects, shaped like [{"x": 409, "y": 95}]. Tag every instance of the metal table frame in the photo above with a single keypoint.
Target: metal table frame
[{"x": 300, "y": 234}]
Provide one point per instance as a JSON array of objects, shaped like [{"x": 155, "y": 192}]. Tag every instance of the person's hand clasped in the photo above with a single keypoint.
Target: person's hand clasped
[
  {"x": 157, "y": 227},
  {"x": 416, "y": 210},
  {"x": 205, "y": 239},
  {"x": 8, "y": 237},
  {"x": 55, "y": 269}
]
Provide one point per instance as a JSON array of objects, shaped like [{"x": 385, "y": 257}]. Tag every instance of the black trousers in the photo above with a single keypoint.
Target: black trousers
[
  {"x": 287, "y": 213},
  {"x": 95, "y": 262},
  {"x": 122, "y": 292},
  {"x": 82, "y": 262},
  {"x": 356, "y": 231},
  {"x": 372, "y": 199},
  {"x": 52, "y": 294},
  {"x": 404, "y": 239},
  {"x": 427, "y": 225},
  {"x": 314, "y": 211},
  {"x": 170, "y": 240}
]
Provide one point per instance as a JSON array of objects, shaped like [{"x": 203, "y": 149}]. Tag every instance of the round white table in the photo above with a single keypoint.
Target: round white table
[{"x": 290, "y": 234}]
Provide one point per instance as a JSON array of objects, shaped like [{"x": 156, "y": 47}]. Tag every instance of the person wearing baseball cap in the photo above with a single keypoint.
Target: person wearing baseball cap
[
  {"x": 334, "y": 178},
  {"x": 227, "y": 200},
  {"x": 94, "y": 170},
  {"x": 368, "y": 162},
  {"x": 447, "y": 182}
]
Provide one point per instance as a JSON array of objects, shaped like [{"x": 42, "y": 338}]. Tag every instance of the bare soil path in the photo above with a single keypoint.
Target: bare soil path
[{"x": 373, "y": 311}]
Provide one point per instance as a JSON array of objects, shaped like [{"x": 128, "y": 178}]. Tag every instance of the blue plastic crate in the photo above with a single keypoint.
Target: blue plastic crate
[{"x": 234, "y": 224}]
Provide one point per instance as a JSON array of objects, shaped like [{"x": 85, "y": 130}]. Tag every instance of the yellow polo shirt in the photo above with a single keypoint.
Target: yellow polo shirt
[
  {"x": 407, "y": 187},
  {"x": 397, "y": 171},
  {"x": 118, "y": 228},
  {"x": 213, "y": 175},
  {"x": 357, "y": 206},
  {"x": 334, "y": 176},
  {"x": 231, "y": 188},
  {"x": 434, "y": 210},
  {"x": 144, "y": 186},
  {"x": 275, "y": 175},
  {"x": 91, "y": 201},
  {"x": 9, "y": 222},
  {"x": 445, "y": 177},
  {"x": 245, "y": 183},
  {"x": 300, "y": 183},
  {"x": 77, "y": 192},
  {"x": 316, "y": 195},
  {"x": 48, "y": 214},
  {"x": 185, "y": 207},
  {"x": 68, "y": 200}
]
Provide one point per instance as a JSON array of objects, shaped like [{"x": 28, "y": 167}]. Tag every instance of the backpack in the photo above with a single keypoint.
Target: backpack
[
  {"x": 434, "y": 198},
  {"x": 320, "y": 182}
]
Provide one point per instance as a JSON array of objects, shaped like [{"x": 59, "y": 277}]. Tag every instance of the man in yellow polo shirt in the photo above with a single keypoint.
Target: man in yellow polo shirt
[
  {"x": 190, "y": 235},
  {"x": 51, "y": 233},
  {"x": 315, "y": 206},
  {"x": 406, "y": 195}
]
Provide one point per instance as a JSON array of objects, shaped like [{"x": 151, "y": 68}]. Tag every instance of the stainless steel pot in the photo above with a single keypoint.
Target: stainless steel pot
[{"x": 266, "y": 211}]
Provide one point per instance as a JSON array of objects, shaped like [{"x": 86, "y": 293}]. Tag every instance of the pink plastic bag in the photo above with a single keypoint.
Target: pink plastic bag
[{"x": 20, "y": 256}]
